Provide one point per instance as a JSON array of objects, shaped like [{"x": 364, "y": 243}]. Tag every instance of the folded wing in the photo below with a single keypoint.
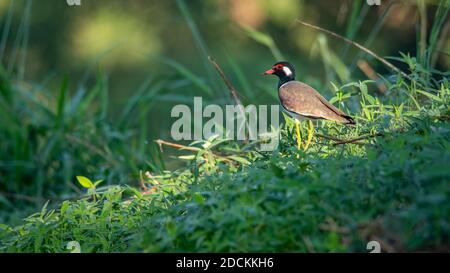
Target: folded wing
[{"x": 304, "y": 100}]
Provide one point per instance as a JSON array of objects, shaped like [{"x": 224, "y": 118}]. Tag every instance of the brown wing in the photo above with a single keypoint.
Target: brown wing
[{"x": 304, "y": 100}]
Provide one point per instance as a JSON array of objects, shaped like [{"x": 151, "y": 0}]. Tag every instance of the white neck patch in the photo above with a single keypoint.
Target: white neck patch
[{"x": 287, "y": 71}]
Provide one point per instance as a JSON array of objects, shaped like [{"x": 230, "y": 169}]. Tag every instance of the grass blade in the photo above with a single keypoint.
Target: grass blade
[
  {"x": 264, "y": 39},
  {"x": 61, "y": 102}
]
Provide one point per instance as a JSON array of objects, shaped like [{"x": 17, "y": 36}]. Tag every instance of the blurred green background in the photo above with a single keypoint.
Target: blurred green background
[
  {"x": 159, "y": 49},
  {"x": 128, "y": 41}
]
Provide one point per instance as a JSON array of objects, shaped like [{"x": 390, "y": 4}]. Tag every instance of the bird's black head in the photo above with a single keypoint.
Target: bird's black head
[{"x": 284, "y": 70}]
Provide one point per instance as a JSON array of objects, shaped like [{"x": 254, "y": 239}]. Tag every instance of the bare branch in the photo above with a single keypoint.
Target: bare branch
[
  {"x": 233, "y": 92},
  {"x": 371, "y": 74},
  {"x": 183, "y": 147},
  {"x": 161, "y": 142},
  {"x": 232, "y": 89},
  {"x": 355, "y": 140}
]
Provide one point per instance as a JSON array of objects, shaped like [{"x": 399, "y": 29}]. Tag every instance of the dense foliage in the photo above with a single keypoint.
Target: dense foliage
[
  {"x": 392, "y": 187},
  {"x": 385, "y": 179}
]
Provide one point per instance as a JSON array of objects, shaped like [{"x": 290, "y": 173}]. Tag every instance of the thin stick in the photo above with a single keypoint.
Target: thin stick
[
  {"x": 232, "y": 89},
  {"x": 142, "y": 181},
  {"x": 335, "y": 139},
  {"x": 354, "y": 140},
  {"x": 161, "y": 142},
  {"x": 368, "y": 51},
  {"x": 371, "y": 74},
  {"x": 339, "y": 141}
]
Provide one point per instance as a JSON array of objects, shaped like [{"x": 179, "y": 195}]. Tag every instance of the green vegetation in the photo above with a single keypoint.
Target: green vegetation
[
  {"x": 49, "y": 141},
  {"x": 392, "y": 187},
  {"x": 102, "y": 181}
]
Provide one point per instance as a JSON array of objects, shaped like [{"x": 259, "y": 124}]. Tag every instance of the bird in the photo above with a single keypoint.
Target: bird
[{"x": 302, "y": 102}]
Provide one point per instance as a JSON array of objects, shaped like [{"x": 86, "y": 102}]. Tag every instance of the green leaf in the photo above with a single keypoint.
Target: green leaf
[
  {"x": 430, "y": 96},
  {"x": 136, "y": 193},
  {"x": 85, "y": 182},
  {"x": 64, "y": 207},
  {"x": 264, "y": 39},
  {"x": 367, "y": 113},
  {"x": 171, "y": 228},
  {"x": 98, "y": 182},
  {"x": 276, "y": 169},
  {"x": 6, "y": 228},
  {"x": 44, "y": 209},
  {"x": 187, "y": 74},
  {"x": 334, "y": 99},
  {"x": 239, "y": 159},
  {"x": 187, "y": 157},
  {"x": 61, "y": 101},
  {"x": 198, "y": 198},
  {"x": 370, "y": 99}
]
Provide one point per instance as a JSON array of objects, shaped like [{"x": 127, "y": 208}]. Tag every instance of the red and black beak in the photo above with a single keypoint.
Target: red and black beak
[{"x": 269, "y": 72}]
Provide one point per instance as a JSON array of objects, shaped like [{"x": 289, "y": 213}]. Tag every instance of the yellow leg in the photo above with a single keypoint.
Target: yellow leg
[
  {"x": 310, "y": 134},
  {"x": 299, "y": 135}
]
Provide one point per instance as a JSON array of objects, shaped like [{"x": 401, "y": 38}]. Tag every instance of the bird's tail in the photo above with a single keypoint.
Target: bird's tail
[{"x": 349, "y": 120}]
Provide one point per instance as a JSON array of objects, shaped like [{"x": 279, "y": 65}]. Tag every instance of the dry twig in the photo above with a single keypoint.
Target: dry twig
[
  {"x": 355, "y": 141},
  {"x": 233, "y": 92},
  {"x": 371, "y": 74},
  {"x": 161, "y": 142},
  {"x": 232, "y": 89}
]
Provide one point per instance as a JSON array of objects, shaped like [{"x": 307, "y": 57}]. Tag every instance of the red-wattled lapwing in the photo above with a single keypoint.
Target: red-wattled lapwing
[{"x": 303, "y": 102}]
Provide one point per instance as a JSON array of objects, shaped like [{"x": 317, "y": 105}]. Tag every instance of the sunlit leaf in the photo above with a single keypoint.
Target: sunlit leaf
[
  {"x": 430, "y": 96},
  {"x": 85, "y": 182},
  {"x": 239, "y": 159},
  {"x": 198, "y": 198},
  {"x": 187, "y": 157}
]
